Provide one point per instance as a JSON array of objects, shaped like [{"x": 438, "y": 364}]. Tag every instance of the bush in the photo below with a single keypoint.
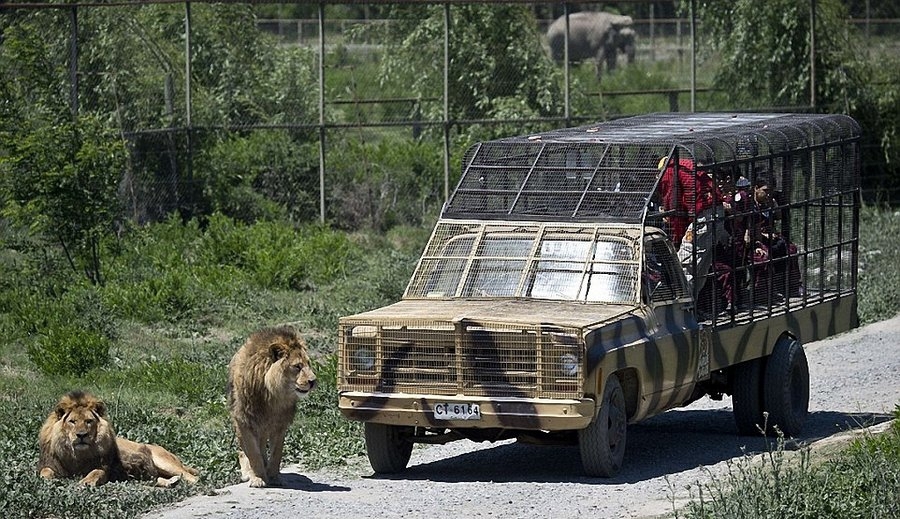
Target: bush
[
  {"x": 383, "y": 182},
  {"x": 66, "y": 335},
  {"x": 276, "y": 254},
  {"x": 69, "y": 350},
  {"x": 879, "y": 279},
  {"x": 859, "y": 482},
  {"x": 61, "y": 180},
  {"x": 265, "y": 175}
]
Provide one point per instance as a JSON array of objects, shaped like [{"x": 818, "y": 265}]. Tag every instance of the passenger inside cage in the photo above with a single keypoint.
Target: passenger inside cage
[
  {"x": 776, "y": 269},
  {"x": 730, "y": 262},
  {"x": 697, "y": 224}
]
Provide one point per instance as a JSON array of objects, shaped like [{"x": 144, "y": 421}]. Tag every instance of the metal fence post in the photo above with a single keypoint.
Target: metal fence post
[
  {"x": 446, "y": 102},
  {"x": 189, "y": 136},
  {"x": 322, "y": 112},
  {"x": 693, "y": 56},
  {"x": 73, "y": 63},
  {"x": 567, "y": 106},
  {"x": 812, "y": 53}
]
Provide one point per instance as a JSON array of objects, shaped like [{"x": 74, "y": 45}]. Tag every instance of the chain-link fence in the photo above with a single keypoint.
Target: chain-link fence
[{"x": 356, "y": 114}]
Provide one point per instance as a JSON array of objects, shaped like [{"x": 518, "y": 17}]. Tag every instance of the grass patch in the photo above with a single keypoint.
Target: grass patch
[
  {"x": 858, "y": 482},
  {"x": 879, "y": 279}
]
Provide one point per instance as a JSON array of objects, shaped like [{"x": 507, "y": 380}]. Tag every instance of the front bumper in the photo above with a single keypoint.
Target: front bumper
[{"x": 504, "y": 413}]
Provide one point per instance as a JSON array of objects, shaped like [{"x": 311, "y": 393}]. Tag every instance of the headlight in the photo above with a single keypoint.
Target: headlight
[
  {"x": 363, "y": 359},
  {"x": 568, "y": 364}
]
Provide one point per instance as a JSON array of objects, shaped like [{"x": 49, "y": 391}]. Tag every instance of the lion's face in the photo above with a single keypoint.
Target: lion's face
[
  {"x": 79, "y": 419},
  {"x": 290, "y": 374},
  {"x": 80, "y": 426}
]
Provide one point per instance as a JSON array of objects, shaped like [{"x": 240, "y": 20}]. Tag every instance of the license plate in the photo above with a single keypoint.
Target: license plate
[{"x": 444, "y": 411}]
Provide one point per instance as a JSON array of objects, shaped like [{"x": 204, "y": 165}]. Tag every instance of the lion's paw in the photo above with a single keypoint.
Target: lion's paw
[
  {"x": 168, "y": 482},
  {"x": 257, "y": 482}
]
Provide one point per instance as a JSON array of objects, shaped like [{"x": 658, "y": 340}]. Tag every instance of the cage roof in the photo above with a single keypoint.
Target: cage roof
[{"x": 609, "y": 171}]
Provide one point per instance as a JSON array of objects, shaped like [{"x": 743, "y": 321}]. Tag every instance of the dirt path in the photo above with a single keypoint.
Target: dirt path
[{"x": 855, "y": 381}]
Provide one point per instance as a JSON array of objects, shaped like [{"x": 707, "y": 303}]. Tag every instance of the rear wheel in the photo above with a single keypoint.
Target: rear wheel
[
  {"x": 602, "y": 443},
  {"x": 786, "y": 390},
  {"x": 747, "y": 397},
  {"x": 388, "y": 447}
]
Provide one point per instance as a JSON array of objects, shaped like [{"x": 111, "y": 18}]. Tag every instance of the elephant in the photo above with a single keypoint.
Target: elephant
[{"x": 593, "y": 35}]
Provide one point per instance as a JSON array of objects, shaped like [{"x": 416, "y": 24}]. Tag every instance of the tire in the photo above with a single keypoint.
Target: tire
[
  {"x": 388, "y": 447},
  {"x": 747, "y": 397},
  {"x": 602, "y": 443},
  {"x": 786, "y": 391}
]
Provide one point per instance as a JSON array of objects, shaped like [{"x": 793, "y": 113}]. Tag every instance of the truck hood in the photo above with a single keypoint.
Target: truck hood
[{"x": 507, "y": 311}]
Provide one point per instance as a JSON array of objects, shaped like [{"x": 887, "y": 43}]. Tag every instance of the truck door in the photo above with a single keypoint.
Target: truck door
[{"x": 673, "y": 334}]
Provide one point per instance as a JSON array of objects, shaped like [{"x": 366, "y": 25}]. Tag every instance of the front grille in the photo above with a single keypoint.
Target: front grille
[{"x": 466, "y": 358}]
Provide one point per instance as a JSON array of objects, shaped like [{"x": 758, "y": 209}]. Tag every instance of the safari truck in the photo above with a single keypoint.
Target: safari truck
[{"x": 551, "y": 303}]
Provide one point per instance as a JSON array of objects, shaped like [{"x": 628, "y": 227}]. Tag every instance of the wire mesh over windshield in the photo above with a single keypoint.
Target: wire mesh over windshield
[{"x": 538, "y": 261}]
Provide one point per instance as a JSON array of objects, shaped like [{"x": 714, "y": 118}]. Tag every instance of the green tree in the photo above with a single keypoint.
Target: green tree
[
  {"x": 765, "y": 47},
  {"x": 61, "y": 181},
  {"x": 497, "y": 63},
  {"x": 260, "y": 175}
]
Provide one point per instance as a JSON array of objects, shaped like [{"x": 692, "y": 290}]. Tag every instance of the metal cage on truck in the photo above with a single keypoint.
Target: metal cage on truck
[{"x": 559, "y": 298}]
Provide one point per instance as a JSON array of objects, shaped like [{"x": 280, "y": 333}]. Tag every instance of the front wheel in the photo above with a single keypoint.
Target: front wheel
[
  {"x": 602, "y": 443},
  {"x": 786, "y": 388},
  {"x": 388, "y": 447}
]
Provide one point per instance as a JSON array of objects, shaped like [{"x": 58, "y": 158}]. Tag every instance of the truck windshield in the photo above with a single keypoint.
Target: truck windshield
[{"x": 553, "y": 262}]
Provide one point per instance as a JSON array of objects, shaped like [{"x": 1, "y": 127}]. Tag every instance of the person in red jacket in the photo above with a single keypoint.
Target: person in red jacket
[{"x": 699, "y": 207}]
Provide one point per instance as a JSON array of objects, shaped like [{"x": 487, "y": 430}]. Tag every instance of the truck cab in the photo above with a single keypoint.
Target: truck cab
[{"x": 559, "y": 299}]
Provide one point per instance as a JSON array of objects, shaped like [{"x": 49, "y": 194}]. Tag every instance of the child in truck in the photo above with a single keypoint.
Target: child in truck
[{"x": 776, "y": 270}]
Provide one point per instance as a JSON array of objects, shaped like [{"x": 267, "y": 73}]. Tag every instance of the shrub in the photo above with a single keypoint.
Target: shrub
[
  {"x": 276, "y": 254},
  {"x": 879, "y": 279},
  {"x": 265, "y": 175},
  {"x": 69, "y": 350},
  {"x": 61, "y": 180},
  {"x": 383, "y": 182},
  {"x": 858, "y": 482},
  {"x": 66, "y": 335}
]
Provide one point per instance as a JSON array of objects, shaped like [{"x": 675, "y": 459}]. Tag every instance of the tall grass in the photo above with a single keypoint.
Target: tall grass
[
  {"x": 859, "y": 482},
  {"x": 879, "y": 278}
]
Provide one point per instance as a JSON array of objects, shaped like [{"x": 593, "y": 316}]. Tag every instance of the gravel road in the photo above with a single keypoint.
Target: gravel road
[{"x": 855, "y": 381}]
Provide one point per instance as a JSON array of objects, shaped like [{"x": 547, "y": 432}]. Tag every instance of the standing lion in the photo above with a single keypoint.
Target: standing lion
[
  {"x": 77, "y": 440},
  {"x": 266, "y": 377}
]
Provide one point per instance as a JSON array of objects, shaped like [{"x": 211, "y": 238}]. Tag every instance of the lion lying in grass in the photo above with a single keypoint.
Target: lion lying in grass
[
  {"x": 266, "y": 377},
  {"x": 77, "y": 440}
]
